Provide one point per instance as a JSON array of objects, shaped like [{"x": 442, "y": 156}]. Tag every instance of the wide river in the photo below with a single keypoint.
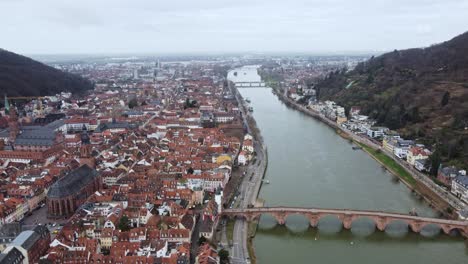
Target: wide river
[{"x": 310, "y": 165}]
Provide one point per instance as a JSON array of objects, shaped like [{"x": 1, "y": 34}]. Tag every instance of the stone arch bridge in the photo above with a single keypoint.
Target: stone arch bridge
[{"x": 346, "y": 216}]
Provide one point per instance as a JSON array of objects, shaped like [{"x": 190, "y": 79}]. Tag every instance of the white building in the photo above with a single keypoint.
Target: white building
[
  {"x": 460, "y": 186},
  {"x": 374, "y": 132},
  {"x": 242, "y": 158}
]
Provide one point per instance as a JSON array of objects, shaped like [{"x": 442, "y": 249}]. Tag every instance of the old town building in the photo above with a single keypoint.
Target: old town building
[
  {"x": 28, "y": 143},
  {"x": 32, "y": 244},
  {"x": 71, "y": 191}
]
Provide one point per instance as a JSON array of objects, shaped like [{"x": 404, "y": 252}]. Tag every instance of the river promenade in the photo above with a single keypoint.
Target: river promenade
[{"x": 250, "y": 186}]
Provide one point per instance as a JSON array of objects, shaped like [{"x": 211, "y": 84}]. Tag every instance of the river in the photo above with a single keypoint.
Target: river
[{"x": 310, "y": 165}]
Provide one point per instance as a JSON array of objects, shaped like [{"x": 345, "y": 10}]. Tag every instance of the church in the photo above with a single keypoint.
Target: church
[
  {"x": 71, "y": 191},
  {"x": 28, "y": 143}
]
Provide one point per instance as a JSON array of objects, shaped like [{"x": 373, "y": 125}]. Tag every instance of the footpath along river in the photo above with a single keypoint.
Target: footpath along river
[{"x": 310, "y": 165}]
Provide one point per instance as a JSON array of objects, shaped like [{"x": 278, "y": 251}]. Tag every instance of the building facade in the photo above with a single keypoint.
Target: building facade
[{"x": 71, "y": 191}]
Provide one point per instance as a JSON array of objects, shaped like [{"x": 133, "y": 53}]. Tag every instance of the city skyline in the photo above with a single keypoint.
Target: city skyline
[{"x": 214, "y": 27}]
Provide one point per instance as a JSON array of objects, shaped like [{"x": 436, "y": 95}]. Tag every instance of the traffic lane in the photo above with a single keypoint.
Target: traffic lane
[{"x": 238, "y": 238}]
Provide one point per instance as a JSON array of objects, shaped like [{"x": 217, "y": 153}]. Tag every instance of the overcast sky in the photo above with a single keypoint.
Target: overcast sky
[{"x": 216, "y": 26}]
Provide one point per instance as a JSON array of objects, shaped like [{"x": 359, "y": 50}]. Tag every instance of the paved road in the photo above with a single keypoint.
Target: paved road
[{"x": 248, "y": 195}]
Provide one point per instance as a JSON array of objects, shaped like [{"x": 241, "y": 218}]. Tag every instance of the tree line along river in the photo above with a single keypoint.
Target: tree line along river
[{"x": 310, "y": 165}]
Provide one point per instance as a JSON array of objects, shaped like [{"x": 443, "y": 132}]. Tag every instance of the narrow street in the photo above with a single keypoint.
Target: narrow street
[{"x": 194, "y": 239}]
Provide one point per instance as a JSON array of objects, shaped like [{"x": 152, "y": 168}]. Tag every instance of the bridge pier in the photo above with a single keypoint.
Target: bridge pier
[
  {"x": 280, "y": 218},
  {"x": 347, "y": 221},
  {"x": 415, "y": 226},
  {"x": 381, "y": 223},
  {"x": 313, "y": 219},
  {"x": 251, "y": 217},
  {"x": 446, "y": 229}
]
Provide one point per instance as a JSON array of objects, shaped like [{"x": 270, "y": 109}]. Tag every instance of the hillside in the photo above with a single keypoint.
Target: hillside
[
  {"x": 22, "y": 76},
  {"x": 422, "y": 93}
]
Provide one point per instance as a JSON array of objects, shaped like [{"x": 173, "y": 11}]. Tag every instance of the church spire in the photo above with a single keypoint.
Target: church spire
[
  {"x": 7, "y": 105},
  {"x": 13, "y": 125}
]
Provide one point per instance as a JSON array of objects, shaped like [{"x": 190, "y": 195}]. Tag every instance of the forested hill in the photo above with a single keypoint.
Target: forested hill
[
  {"x": 423, "y": 93},
  {"x": 22, "y": 76}
]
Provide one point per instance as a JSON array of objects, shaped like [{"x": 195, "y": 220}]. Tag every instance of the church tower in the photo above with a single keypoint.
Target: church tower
[
  {"x": 7, "y": 105},
  {"x": 13, "y": 125},
  {"x": 85, "y": 151},
  {"x": 86, "y": 156}
]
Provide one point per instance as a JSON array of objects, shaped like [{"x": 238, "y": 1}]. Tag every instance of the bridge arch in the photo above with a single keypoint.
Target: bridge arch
[
  {"x": 453, "y": 230},
  {"x": 397, "y": 227},
  {"x": 330, "y": 223},
  {"x": 431, "y": 229},
  {"x": 297, "y": 222},
  {"x": 364, "y": 225}
]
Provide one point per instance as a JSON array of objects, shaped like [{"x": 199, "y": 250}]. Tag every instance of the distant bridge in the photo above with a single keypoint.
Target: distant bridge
[
  {"x": 381, "y": 219},
  {"x": 249, "y": 84}
]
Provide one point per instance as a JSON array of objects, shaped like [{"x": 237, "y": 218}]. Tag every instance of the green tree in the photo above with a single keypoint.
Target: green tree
[
  {"x": 445, "y": 99},
  {"x": 415, "y": 116},
  {"x": 124, "y": 223},
  {"x": 449, "y": 210},
  {"x": 202, "y": 240},
  {"x": 132, "y": 103},
  {"x": 434, "y": 162},
  {"x": 223, "y": 256}
]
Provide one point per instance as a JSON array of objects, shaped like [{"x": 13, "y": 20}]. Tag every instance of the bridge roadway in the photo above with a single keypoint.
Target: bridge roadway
[{"x": 381, "y": 219}]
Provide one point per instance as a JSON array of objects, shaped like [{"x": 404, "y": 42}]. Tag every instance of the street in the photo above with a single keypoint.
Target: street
[
  {"x": 248, "y": 191},
  {"x": 248, "y": 195}
]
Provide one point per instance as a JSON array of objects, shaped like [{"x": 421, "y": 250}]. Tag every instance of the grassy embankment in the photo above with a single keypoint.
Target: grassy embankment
[
  {"x": 230, "y": 229},
  {"x": 390, "y": 164},
  {"x": 251, "y": 234}
]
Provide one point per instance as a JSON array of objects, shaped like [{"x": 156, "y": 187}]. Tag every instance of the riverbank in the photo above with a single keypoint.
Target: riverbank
[
  {"x": 430, "y": 196},
  {"x": 390, "y": 165},
  {"x": 421, "y": 190}
]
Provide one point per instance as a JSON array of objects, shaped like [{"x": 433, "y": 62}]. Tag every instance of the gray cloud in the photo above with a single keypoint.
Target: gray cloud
[{"x": 144, "y": 26}]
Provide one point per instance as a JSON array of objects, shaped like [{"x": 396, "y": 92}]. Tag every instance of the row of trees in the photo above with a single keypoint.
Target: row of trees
[{"x": 134, "y": 103}]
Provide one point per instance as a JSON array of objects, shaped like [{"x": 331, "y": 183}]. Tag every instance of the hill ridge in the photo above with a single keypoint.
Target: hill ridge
[{"x": 23, "y": 76}]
